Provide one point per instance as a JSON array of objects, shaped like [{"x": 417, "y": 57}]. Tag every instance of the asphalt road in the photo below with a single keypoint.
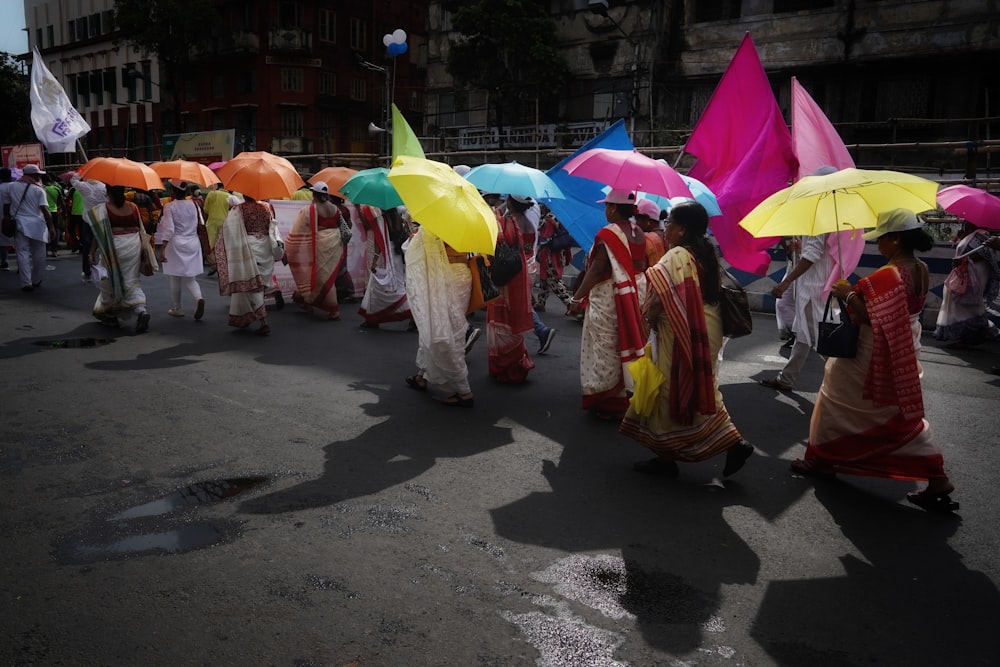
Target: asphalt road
[{"x": 198, "y": 495}]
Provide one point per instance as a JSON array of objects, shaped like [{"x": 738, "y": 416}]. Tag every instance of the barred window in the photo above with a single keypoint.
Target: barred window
[
  {"x": 292, "y": 122},
  {"x": 327, "y": 28},
  {"x": 359, "y": 89},
  {"x": 359, "y": 34},
  {"x": 327, "y": 83},
  {"x": 291, "y": 79}
]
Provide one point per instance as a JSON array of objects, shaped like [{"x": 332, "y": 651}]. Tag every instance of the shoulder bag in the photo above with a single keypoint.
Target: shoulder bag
[
  {"x": 9, "y": 226},
  {"x": 507, "y": 261},
  {"x": 837, "y": 339},
  {"x": 483, "y": 289},
  {"x": 206, "y": 247},
  {"x": 734, "y": 307}
]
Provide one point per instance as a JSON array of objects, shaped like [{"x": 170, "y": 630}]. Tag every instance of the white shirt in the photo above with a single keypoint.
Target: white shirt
[{"x": 26, "y": 202}]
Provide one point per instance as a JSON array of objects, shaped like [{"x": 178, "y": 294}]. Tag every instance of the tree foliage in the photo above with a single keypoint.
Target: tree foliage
[
  {"x": 508, "y": 48},
  {"x": 15, "y": 102},
  {"x": 167, "y": 28}
]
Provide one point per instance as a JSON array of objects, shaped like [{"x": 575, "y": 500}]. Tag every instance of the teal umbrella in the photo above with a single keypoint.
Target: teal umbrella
[
  {"x": 511, "y": 178},
  {"x": 371, "y": 187}
]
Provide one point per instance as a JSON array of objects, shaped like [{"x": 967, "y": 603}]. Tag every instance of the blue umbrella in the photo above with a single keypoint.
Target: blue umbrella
[
  {"x": 579, "y": 212},
  {"x": 512, "y": 178}
]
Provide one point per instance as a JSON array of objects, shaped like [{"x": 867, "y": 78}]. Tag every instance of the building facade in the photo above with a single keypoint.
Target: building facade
[
  {"x": 294, "y": 77},
  {"x": 885, "y": 72}
]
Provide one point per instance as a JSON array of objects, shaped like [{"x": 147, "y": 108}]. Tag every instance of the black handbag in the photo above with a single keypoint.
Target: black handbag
[
  {"x": 506, "y": 263},
  {"x": 734, "y": 307},
  {"x": 483, "y": 290},
  {"x": 561, "y": 240},
  {"x": 837, "y": 339}
]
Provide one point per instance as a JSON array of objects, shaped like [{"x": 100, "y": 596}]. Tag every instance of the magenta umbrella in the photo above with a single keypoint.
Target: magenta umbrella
[
  {"x": 628, "y": 170},
  {"x": 977, "y": 206}
]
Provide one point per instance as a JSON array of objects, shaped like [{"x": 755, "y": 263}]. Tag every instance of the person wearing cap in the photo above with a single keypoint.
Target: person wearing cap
[
  {"x": 316, "y": 254},
  {"x": 688, "y": 421},
  {"x": 245, "y": 252},
  {"x": 647, "y": 216},
  {"x": 27, "y": 203},
  {"x": 612, "y": 286},
  {"x": 121, "y": 242},
  {"x": 869, "y": 415},
  {"x": 180, "y": 249}
]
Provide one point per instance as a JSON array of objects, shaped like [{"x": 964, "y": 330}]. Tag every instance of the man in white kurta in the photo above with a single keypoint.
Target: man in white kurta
[
  {"x": 810, "y": 275},
  {"x": 180, "y": 250}
]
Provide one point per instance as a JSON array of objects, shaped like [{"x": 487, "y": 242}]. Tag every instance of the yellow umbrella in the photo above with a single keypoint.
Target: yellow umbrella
[
  {"x": 845, "y": 199},
  {"x": 186, "y": 170},
  {"x": 121, "y": 171},
  {"x": 445, "y": 203},
  {"x": 647, "y": 380}
]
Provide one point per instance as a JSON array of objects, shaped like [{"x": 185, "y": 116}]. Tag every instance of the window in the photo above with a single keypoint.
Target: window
[
  {"x": 327, "y": 28},
  {"x": 359, "y": 34},
  {"x": 327, "y": 125},
  {"x": 799, "y": 5},
  {"x": 111, "y": 85},
  {"x": 190, "y": 90},
  {"x": 416, "y": 101},
  {"x": 94, "y": 25},
  {"x": 247, "y": 82},
  {"x": 291, "y": 79},
  {"x": 147, "y": 80},
  {"x": 717, "y": 10},
  {"x": 38, "y": 38},
  {"x": 218, "y": 86},
  {"x": 71, "y": 31},
  {"x": 219, "y": 120},
  {"x": 81, "y": 29},
  {"x": 50, "y": 35},
  {"x": 107, "y": 21},
  {"x": 292, "y": 122},
  {"x": 327, "y": 83},
  {"x": 71, "y": 89},
  {"x": 289, "y": 14},
  {"x": 359, "y": 89},
  {"x": 97, "y": 87}
]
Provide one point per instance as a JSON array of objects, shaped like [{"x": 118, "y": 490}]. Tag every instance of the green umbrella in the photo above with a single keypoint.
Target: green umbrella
[{"x": 371, "y": 187}]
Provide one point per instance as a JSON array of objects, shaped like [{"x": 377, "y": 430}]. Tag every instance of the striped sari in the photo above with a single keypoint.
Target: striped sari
[
  {"x": 121, "y": 291},
  {"x": 869, "y": 414},
  {"x": 689, "y": 421},
  {"x": 315, "y": 256}
]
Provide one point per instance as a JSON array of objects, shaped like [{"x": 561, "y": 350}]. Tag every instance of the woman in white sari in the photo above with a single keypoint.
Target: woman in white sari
[
  {"x": 438, "y": 284},
  {"x": 385, "y": 292},
  {"x": 121, "y": 240},
  {"x": 244, "y": 255}
]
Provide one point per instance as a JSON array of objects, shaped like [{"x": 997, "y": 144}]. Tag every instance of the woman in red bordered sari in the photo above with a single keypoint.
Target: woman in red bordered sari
[
  {"x": 613, "y": 286},
  {"x": 509, "y": 317},
  {"x": 385, "y": 290},
  {"x": 688, "y": 421},
  {"x": 869, "y": 415},
  {"x": 316, "y": 254}
]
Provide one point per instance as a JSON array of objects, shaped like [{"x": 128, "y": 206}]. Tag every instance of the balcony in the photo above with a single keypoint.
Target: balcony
[
  {"x": 239, "y": 42},
  {"x": 289, "y": 40}
]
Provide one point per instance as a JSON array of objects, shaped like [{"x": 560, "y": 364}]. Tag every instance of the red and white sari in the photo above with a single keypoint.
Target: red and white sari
[
  {"x": 509, "y": 317},
  {"x": 613, "y": 329},
  {"x": 869, "y": 415},
  {"x": 315, "y": 254},
  {"x": 385, "y": 290}
]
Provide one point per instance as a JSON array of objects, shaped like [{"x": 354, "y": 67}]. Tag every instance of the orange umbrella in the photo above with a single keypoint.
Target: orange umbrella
[
  {"x": 334, "y": 177},
  {"x": 185, "y": 170},
  {"x": 260, "y": 175},
  {"x": 121, "y": 171}
]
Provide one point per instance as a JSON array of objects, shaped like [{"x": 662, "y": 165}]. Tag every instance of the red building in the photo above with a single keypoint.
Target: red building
[{"x": 306, "y": 78}]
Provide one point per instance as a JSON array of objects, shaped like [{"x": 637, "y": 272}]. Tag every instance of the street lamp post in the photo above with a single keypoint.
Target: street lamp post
[{"x": 387, "y": 101}]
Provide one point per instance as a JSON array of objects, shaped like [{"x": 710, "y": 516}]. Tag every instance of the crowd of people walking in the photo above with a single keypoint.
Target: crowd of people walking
[{"x": 650, "y": 286}]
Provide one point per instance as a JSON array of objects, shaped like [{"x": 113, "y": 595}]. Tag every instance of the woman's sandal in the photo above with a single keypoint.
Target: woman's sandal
[
  {"x": 933, "y": 502},
  {"x": 736, "y": 457},
  {"x": 657, "y": 466},
  {"x": 457, "y": 400},
  {"x": 810, "y": 469},
  {"x": 264, "y": 330},
  {"x": 416, "y": 382}
]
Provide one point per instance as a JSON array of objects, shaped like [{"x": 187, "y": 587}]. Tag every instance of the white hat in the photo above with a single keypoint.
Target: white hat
[
  {"x": 618, "y": 197},
  {"x": 895, "y": 220},
  {"x": 522, "y": 199},
  {"x": 462, "y": 169},
  {"x": 31, "y": 170},
  {"x": 648, "y": 208},
  {"x": 321, "y": 188}
]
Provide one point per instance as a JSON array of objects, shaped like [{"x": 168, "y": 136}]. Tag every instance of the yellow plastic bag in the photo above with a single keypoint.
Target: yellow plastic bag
[{"x": 647, "y": 380}]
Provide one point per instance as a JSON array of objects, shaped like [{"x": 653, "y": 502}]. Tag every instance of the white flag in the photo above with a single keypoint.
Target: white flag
[{"x": 57, "y": 123}]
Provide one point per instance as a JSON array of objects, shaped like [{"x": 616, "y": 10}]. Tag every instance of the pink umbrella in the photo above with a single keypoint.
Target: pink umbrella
[
  {"x": 217, "y": 165},
  {"x": 628, "y": 170},
  {"x": 977, "y": 206}
]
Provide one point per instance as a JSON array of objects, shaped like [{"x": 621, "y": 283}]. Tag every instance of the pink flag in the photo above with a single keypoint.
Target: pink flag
[
  {"x": 817, "y": 144},
  {"x": 744, "y": 153}
]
